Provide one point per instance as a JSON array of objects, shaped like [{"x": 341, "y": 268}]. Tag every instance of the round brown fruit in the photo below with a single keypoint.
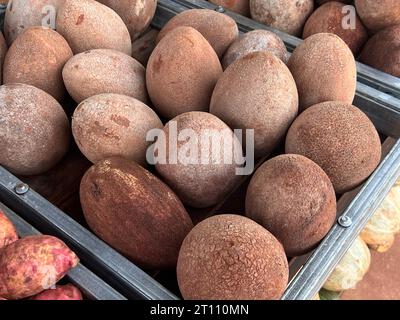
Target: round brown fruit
[
  {"x": 230, "y": 257},
  {"x": 324, "y": 69},
  {"x": 382, "y": 51},
  {"x": 137, "y": 14},
  {"x": 22, "y": 14},
  {"x": 218, "y": 29},
  {"x": 134, "y": 212},
  {"x": 37, "y": 58},
  {"x": 329, "y": 18},
  {"x": 88, "y": 24},
  {"x": 293, "y": 198},
  {"x": 104, "y": 71},
  {"x": 110, "y": 124},
  {"x": 35, "y": 131},
  {"x": 286, "y": 15},
  {"x": 378, "y": 14},
  {"x": 256, "y": 40},
  {"x": 200, "y": 175},
  {"x": 242, "y": 103},
  {"x": 340, "y": 139},
  {"x": 182, "y": 72}
]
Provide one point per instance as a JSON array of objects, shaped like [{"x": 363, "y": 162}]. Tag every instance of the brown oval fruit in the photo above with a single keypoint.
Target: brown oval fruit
[
  {"x": 256, "y": 40},
  {"x": 22, "y": 14},
  {"x": 378, "y": 14},
  {"x": 182, "y": 72},
  {"x": 60, "y": 292},
  {"x": 382, "y": 51},
  {"x": 293, "y": 198},
  {"x": 137, "y": 14},
  {"x": 35, "y": 131},
  {"x": 229, "y": 257},
  {"x": 104, "y": 71},
  {"x": 286, "y": 15},
  {"x": 201, "y": 175},
  {"x": 32, "y": 264},
  {"x": 242, "y": 103},
  {"x": 329, "y": 18},
  {"x": 218, "y": 29},
  {"x": 88, "y": 24},
  {"x": 37, "y": 58},
  {"x": 324, "y": 70},
  {"x": 239, "y": 6},
  {"x": 3, "y": 52},
  {"x": 8, "y": 234},
  {"x": 134, "y": 212},
  {"x": 340, "y": 139},
  {"x": 109, "y": 125}
]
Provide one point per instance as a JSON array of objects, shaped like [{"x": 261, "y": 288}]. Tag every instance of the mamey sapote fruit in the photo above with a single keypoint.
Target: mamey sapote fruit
[
  {"x": 201, "y": 167},
  {"x": 269, "y": 109},
  {"x": 230, "y": 257},
  {"x": 182, "y": 72},
  {"x": 32, "y": 264},
  {"x": 293, "y": 198},
  {"x": 35, "y": 131},
  {"x": 324, "y": 69},
  {"x": 338, "y": 137},
  {"x": 218, "y": 29},
  {"x": 330, "y": 18},
  {"x": 134, "y": 212},
  {"x": 256, "y": 40},
  {"x": 37, "y": 58},
  {"x": 382, "y": 51},
  {"x": 108, "y": 125}
]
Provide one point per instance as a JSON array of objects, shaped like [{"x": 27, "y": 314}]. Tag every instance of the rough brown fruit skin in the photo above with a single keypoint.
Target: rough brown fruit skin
[
  {"x": 242, "y": 103},
  {"x": 104, "y": 71},
  {"x": 88, "y": 24},
  {"x": 382, "y": 51},
  {"x": 110, "y": 125},
  {"x": 293, "y": 198},
  {"x": 378, "y": 14},
  {"x": 37, "y": 58},
  {"x": 32, "y": 264},
  {"x": 325, "y": 1},
  {"x": 324, "y": 70},
  {"x": 217, "y": 28},
  {"x": 35, "y": 131},
  {"x": 329, "y": 18},
  {"x": 239, "y": 6},
  {"x": 134, "y": 212},
  {"x": 340, "y": 139},
  {"x": 8, "y": 234},
  {"x": 137, "y": 14},
  {"x": 230, "y": 257},
  {"x": 3, "y": 52},
  {"x": 22, "y": 14},
  {"x": 182, "y": 72},
  {"x": 286, "y": 15},
  {"x": 199, "y": 182},
  {"x": 256, "y": 40},
  {"x": 65, "y": 292}
]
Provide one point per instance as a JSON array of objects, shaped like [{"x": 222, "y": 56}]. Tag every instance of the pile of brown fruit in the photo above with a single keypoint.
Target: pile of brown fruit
[
  {"x": 200, "y": 77},
  {"x": 371, "y": 28},
  {"x": 30, "y": 267}
]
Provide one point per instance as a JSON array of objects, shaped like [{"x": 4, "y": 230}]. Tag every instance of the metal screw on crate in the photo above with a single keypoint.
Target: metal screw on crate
[
  {"x": 220, "y": 9},
  {"x": 21, "y": 188},
  {"x": 345, "y": 221}
]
